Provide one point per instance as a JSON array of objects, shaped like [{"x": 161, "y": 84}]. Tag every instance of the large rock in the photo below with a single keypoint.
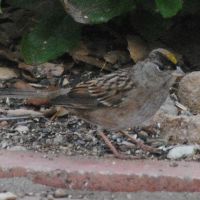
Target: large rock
[
  {"x": 174, "y": 128},
  {"x": 168, "y": 107},
  {"x": 189, "y": 91},
  {"x": 179, "y": 129}
]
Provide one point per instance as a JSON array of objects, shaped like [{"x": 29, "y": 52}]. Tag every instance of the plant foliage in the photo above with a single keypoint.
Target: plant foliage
[{"x": 58, "y": 22}]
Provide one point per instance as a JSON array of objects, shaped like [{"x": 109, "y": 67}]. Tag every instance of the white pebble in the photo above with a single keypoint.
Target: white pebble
[
  {"x": 17, "y": 148},
  {"x": 182, "y": 151},
  {"x": 22, "y": 129},
  {"x": 7, "y": 196},
  {"x": 59, "y": 193}
]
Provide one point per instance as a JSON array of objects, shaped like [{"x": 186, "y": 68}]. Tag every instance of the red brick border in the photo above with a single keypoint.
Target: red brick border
[{"x": 101, "y": 174}]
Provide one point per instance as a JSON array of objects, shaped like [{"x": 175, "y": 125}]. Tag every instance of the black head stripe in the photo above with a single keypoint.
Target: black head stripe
[{"x": 165, "y": 63}]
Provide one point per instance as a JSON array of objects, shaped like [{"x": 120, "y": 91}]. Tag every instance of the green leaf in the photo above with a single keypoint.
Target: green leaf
[
  {"x": 51, "y": 38},
  {"x": 97, "y": 11},
  {"x": 169, "y": 8},
  {"x": 54, "y": 34}
]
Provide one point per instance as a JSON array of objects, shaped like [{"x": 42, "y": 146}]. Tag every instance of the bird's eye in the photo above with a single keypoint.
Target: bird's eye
[{"x": 160, "y": 68}]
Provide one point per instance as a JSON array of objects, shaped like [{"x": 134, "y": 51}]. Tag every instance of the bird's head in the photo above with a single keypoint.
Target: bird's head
[{"x": 166, "y": 62}]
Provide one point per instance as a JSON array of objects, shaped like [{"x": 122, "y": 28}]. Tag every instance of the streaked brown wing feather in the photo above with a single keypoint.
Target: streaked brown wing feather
[{"x": 108, "y": 90}]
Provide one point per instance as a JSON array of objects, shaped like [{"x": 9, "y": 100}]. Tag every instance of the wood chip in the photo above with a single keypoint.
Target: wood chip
[
  {"x": 181, "y": 106},
  {"x": 22, "y": 112}
]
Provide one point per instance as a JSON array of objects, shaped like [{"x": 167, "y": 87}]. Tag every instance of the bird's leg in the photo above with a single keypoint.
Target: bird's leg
[
  {"x": 140, "y": 144},
  {"x": 111, "y": 146},
  {"x": 149, "y": 129}
]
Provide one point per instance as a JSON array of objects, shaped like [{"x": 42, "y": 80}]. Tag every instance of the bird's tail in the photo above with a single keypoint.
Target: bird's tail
[{"x": 31, "y": 93}]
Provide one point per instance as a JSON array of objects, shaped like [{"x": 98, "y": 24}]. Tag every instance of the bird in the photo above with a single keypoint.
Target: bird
[{"x": 126, "y": 98}]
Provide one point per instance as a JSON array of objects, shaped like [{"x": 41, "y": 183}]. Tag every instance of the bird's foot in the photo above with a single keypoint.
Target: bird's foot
[
  {"x": 113, "y": 149},
  {"x": 140, "y": 144}
]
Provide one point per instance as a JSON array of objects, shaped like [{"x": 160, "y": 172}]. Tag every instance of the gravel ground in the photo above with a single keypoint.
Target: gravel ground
[
  {"x": 24, "y": 189},
  {"x": 69, "y": 136}
]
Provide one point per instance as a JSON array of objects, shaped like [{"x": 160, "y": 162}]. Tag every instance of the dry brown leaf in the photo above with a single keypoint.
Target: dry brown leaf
[
  {"x": 55, "y": 112},
  {"x": 8, "y": 73},
  {"x": 21, "y": 85},
  {"x": 81, "y": 50},
  {"x": 60, "y": 112},
  {"x": 94, "y": 61},
  {"x": 98, "y": 56},
  {"x": 3, "y": 124},
  {"x": 116, "y": 56},
  {"x": 138, "y": 49},
  {"x": 6, "y": 53},
  {"x": 36, "y": 101},
  {"x": 48, "y": 70},
  {"x": 28, "y": 77},
  {"x": 68, "y": 66}
]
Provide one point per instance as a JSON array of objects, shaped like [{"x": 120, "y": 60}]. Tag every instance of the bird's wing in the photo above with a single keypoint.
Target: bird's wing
[{"x": 108, "y": 90}]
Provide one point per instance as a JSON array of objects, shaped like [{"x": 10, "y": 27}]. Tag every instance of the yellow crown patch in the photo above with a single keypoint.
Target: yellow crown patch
[{"x": 171, "y": 57}]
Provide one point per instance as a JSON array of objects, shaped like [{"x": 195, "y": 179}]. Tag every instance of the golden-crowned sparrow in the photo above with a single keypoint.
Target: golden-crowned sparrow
[{"x": 125, "y": 98}]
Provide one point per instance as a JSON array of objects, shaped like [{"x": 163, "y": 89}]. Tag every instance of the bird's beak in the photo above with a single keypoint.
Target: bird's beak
[{"x": 178, "y": 72}]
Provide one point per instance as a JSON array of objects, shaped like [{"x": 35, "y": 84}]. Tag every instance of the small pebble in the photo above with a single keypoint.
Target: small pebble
[
  {"x": 129, "y": 196},
  {"x": 182, "y": 151},
  {"x": 58, "y": 139},
  {"x": 17, "y": 148},
  {"x": 7, "y": 196},
  {"x": 50, "y": 197},
  {"x": 59, "y": 193},
  {"x": 143, "y": 134},
  {"x": 22, "y": 129},
  {"x": 128, "y": 144},
  {"x": 119, "y": 140},
  {"x": 4, "y": 144},
  {"x": 3, "y": 124},
  {"x": 65, "y": 82},
  {"x": 173, "y": 164}
]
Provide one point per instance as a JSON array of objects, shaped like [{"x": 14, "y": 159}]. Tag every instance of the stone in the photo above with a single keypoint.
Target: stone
[
  {"x": 17, "y": 148},
  {"x": 129, "y": 196},
  {"x": 189, "y": 91},
  {"x": 182, "y": 151},
  {"x": 168, "y": 107},
  {"x": 174, "y": 128},
  {"x": 58, "y": 139},
  {"x": 22, "y": 129},
  {"x": 179, "y": 129},
  {"x": 7, "y": 196},
  {"x": 59, "y": 193}
]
